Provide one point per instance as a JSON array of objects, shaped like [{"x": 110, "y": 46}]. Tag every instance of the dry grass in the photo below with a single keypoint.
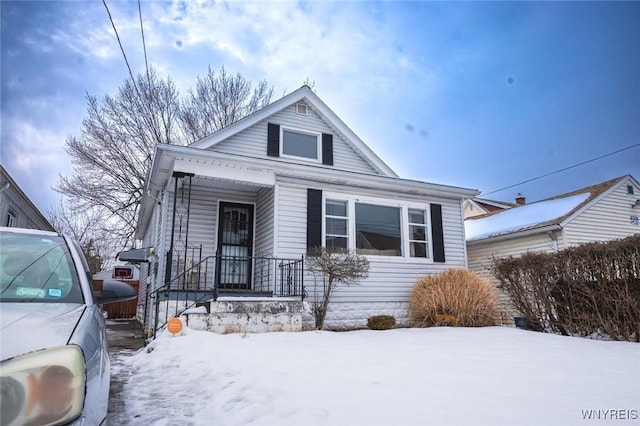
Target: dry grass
[{"x": 455, "y": 297}]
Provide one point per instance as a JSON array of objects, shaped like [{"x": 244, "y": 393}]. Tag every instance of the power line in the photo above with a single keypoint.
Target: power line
[
  {"x": 564, "y": 169},
  {"x": 144, "y": 45},
  {"x": 120, "y": 44}
]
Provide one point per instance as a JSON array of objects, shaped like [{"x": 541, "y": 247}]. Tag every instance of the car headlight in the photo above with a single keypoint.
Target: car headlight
[{"x": 45, "y": 387}]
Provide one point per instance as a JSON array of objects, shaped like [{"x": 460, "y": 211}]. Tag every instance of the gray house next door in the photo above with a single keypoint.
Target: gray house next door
[{"x": 235, "y": 246}]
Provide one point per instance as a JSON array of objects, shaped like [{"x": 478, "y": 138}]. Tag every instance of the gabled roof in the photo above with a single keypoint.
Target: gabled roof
[
  {"x": 492, "y": 205},
  {"x": 540, "y": 216},
  {"x": 306, "y": 95}
]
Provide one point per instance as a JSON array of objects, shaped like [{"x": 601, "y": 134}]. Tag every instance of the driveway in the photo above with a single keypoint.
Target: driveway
[{"x": 125, "y": 338}]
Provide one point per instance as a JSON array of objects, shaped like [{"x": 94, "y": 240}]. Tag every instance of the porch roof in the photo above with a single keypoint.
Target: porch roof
[{"x": 260, "y": 172}]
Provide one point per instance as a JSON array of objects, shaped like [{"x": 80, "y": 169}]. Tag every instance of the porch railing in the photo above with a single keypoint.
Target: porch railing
[
  {"x": 221, "y": 274},
  {"x": 195, "y": 279}
]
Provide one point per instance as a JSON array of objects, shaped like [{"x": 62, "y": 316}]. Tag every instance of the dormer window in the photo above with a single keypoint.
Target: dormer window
[{"x": 300, "y": 144}]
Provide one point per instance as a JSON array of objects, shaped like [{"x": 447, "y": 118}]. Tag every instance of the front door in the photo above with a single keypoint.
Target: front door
[{"x": 235, "y": 246}]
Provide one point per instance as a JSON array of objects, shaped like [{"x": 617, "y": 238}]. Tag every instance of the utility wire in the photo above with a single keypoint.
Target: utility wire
[
  {"x": 144, "y": 45},
  {"x": 564, "y": 169},
  {"x": 120, "y": 44}
]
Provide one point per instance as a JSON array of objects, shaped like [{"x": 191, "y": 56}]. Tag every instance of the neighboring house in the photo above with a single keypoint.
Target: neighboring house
[
  {"x": 602, "y": 212},
  {"x": 16, "y": 210},
  {"x": 481, "y": 206},
  {"x": 253, "y": 198}
]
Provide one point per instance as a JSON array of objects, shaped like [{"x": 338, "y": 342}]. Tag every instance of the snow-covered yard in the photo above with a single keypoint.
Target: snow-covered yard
[{"x": 436, "y": 376}]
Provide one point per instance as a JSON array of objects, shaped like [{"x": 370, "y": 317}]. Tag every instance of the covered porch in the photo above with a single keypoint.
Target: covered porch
[{"x": 215, "y": 222}]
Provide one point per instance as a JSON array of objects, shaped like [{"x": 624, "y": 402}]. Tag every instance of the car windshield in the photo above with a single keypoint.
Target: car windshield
[{"x": 37, "y": 268}]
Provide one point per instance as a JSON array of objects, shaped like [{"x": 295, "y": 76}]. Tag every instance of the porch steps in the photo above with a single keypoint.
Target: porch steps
[{"x": 249, "y": 314}]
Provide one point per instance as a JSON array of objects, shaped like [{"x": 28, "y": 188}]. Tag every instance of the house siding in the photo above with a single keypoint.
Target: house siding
[
  {"x": 608, "y": 219},
  {"x": 390, "y": 280},
  {"x": 252, "y": 142},
  {"x": 480, "y": 257},
  {"x": 264, "y": 223}
]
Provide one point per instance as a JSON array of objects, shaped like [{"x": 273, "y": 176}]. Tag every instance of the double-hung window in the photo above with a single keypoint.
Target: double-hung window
[
  {"x": 336, "y": 224},
  {"x": 418, "y": 234}
]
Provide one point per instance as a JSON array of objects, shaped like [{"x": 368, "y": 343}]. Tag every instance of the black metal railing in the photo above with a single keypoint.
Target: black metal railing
[
  {"x": 196, "y": 279},
  {"x": 263, "y": 275}
]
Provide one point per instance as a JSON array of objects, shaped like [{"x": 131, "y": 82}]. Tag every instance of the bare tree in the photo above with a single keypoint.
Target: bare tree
[
  {"x": 114, "y": 151},
  {"x": 220, "y": 100},
  {"x": 334, "y": 267},
  {"x": 86, "y": 228}
]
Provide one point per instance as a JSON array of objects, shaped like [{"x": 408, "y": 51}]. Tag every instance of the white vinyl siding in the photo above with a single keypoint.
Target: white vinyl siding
[
  {"x": 607, "y": 219},
  {"x": 252, "y": 142},
  {"x": 390, "y": 279},
  {"x": 480, "y": 259},
  {"x": 264, "y": 215}
]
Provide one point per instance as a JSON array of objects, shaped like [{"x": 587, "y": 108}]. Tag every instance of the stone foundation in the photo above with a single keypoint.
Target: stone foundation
[
  {"x": 248, "y": 316},
  {"x": 354, "y": 315}
]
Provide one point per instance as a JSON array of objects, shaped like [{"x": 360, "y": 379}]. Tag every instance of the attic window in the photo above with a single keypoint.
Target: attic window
[
  {"x": 302, "y": 109},
  {"x": 630, "y": 189},
  {"x": 300, "y": 144}
]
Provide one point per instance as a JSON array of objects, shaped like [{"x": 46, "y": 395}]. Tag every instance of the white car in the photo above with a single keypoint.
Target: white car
[{"x": 54, "y": 365}]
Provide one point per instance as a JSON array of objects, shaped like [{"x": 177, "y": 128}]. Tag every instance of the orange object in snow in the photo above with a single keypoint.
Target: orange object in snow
[{"x": 174, "y": 326}]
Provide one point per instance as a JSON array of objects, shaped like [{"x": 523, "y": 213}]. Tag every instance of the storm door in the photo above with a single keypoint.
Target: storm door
[{"x": 235, "y": 246}]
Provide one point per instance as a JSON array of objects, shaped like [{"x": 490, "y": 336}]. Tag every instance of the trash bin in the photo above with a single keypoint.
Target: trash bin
[{"x": 522, "y": 322}]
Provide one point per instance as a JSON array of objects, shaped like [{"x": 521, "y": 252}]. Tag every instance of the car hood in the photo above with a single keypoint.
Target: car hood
[{"x": 28, "y": 327}]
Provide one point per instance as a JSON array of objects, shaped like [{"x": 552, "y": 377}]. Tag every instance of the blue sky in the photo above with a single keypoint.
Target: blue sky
[{"x": 480, "y": 94}]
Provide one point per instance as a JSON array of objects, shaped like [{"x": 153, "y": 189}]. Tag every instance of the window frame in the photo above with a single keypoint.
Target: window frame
[
  {"x": 11, "y": 219},
  {"x": 403, "y": 205},
  {"x": 327, "y": 216},
  {"x": 318, "y": 136}
]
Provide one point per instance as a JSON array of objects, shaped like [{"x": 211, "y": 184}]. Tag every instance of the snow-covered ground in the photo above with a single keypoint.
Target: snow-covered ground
[{"x": 435, "y": 376}]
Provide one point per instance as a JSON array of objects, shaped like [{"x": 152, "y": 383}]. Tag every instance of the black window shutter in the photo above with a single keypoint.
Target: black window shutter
[
  {"x": 327, "y": 149},
  {"x": 314, "y": 218},
  {"x": 437, "y": 233},
  {"x": 273, "y": 140}
]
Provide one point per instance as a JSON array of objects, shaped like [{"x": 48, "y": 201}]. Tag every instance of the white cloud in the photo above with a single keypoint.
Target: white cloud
[{"x": 335, "y": 44}]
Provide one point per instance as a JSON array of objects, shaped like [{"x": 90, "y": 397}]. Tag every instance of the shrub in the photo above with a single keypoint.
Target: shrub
[
  {"x": 381, "y": 322},
  {"x": 592, "y": 289},
  {"x": 455, "y": 297}
]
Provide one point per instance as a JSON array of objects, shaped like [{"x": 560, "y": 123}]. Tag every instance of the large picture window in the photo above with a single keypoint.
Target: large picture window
[
  {"x": 378, "y": 230},
  {"x": 300, "y": 144}
]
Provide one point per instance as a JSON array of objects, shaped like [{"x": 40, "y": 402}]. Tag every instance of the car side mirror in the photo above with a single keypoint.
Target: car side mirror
[{"x": 115, "y": 291}]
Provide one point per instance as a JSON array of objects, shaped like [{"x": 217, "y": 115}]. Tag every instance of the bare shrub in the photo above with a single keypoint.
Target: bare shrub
[
  {"x": 455, "y": 297},
  {"x": 592, "y": 289},
  {"x": 381, "y": 322},
  {"x": 333, "y": 267}
]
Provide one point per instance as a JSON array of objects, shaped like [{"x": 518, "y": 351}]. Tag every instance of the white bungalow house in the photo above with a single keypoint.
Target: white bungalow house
[
  {"x": 231, "y": 218},
  {"x": 607, "y": 211}
]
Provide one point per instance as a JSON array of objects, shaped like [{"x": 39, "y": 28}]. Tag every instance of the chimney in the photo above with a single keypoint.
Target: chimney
[{"x": 520, "y": 200}]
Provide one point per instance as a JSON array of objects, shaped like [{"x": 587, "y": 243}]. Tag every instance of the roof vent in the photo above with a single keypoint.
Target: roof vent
[
  {"x": 520, "y": 200},
  {"x": 302, "y": 109}
]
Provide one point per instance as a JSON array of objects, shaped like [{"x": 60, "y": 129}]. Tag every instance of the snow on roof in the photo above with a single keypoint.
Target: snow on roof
[{"x": 520, "y": 218}]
